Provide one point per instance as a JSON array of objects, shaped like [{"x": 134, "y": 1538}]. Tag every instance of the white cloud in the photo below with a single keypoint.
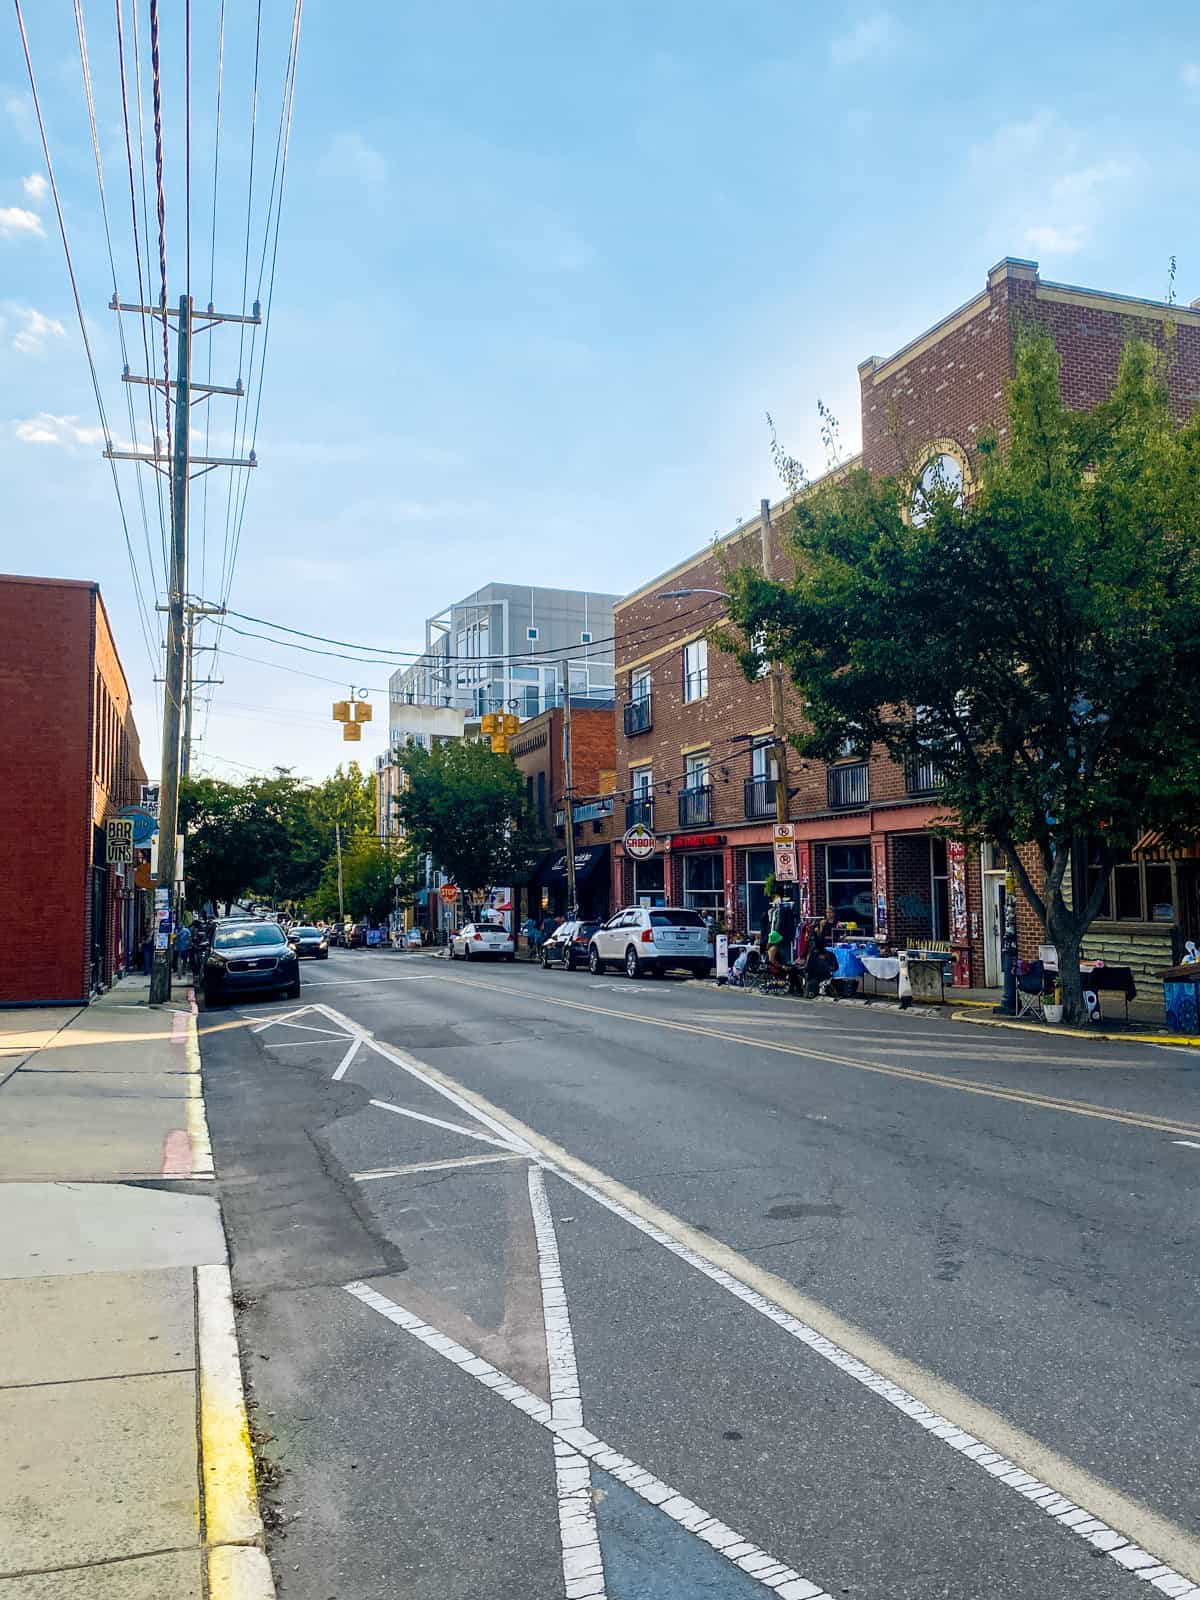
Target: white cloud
[
  {"x": 16, "y": 220},
  {"x": 352, "y": 157},
  {"x": 46, "y": 428},
  {"x": 1190, "y": 73},
  {"x": 34, "y": 330},
  {"x": 1049, "y": 190},
  {"x": 36, "y": 187},
  {"x": 879, "y": 34}
]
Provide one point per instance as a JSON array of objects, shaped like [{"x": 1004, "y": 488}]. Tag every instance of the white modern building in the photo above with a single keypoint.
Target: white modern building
[{"x": 503, "y": 648}]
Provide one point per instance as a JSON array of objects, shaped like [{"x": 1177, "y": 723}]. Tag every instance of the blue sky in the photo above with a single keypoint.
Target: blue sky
[{"x": 542, "y": 270}]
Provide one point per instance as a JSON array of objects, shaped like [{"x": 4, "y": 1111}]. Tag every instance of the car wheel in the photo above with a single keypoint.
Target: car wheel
[
  {"x": 595, "y": 965},
  {"x": 324, "y": 956},
  {"x": 633, "y": 967}
]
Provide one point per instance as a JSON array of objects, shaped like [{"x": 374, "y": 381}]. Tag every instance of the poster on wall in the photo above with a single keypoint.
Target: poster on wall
[
  {"x": 956, "y": 857},
  {"x": 879, "y": 886}
]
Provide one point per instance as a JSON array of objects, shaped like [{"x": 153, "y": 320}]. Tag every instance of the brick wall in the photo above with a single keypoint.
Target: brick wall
[{"x": 70, "y": 757}]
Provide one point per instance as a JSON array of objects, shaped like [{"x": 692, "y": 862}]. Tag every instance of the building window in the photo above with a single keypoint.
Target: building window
[
  {"x": 696, "y": 767},
  {"x": 848, "y": 880},
  {"x": 531, "y": 634},
  {"x": 942, "y": 478},
  {"x": 760, "y": 864},
  {"x": 704, "y": 884},
  {"x": 649, "y": 882},
  {"x": 585, "y": 637},
  {"x": 695, "y": 670},
  {"x": 639, "y": 685},
  {"x": 1136, "y": 891},
  {"x": 939, "y": 871}
]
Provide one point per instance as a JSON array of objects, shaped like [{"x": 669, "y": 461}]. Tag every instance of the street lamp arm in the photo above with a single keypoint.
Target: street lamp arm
[{"x": 682, "y": 594}]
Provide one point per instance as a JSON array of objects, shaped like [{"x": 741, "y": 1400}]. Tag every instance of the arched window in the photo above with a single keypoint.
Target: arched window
[{"x": 944, "y": 476}]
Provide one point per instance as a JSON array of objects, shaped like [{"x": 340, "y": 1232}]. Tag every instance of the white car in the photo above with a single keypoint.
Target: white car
[
  {"x": 482, "y": 939},
  {"x": 652, "y": 941}
]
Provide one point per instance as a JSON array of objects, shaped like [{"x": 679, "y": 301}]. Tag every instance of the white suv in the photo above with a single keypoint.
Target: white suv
[{"x": 652, "y": 941}]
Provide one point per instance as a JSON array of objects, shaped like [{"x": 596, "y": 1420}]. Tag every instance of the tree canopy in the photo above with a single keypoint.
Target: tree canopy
[
  {"x": 467, "y": 808},
  {"x": 1037, "y": 638}
]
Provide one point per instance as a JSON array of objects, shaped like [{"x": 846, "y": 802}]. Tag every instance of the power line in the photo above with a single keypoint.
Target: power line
[
  {"x": 156, "y": 84},
  {"x": 81, "y": 34},
  {"x": 62, "y": 228},
  {"x": 151, "y": 392}
]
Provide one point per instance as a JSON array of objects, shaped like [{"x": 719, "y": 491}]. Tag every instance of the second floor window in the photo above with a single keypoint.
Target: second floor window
[
  {"x": 696, "y": 767},
  {"x": 639, "y": 686},
  {"x": 642, "y": 782},
  {"x": 695, "y": 670}
]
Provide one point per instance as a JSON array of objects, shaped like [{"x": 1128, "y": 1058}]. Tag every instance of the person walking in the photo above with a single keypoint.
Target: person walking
[
  {"x": 531, "y": 936},
  {"x": 183, "y": 946}
]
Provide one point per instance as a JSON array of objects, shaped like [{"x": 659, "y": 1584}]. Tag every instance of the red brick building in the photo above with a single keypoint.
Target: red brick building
[
  {"x": 70, "y": 757},
  {"x": 693, "y": 746},
  {"x": 539, "y": 752}
]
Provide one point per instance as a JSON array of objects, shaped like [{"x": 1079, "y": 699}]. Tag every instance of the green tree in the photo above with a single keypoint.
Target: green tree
[
  {"x": 369, "y": 889},
  {"x": 1039, "y": 639},
  {"x": 467, "y": 808},
  {"x": 234, "y": 834}
]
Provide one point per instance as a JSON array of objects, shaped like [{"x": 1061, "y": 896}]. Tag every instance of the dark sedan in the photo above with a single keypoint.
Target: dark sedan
[
  {"x": 308, "y": 941},
  {"x": 568, "y": 945},
  {"x": 246, "y": 958}
]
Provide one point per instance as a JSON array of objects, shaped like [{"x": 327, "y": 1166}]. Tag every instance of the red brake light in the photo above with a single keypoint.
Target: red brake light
[
  {"x": 647, "y": 935},
  {"x": 477, "y": 936}
]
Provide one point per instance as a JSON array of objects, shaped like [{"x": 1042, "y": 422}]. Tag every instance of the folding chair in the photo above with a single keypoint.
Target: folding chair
[{"x": 1031, "y": 987}]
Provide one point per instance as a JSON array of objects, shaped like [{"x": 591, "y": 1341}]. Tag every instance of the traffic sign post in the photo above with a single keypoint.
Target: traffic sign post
[
  {"x": 448, "y": 893},
  {"x": 784, "y": 839}
]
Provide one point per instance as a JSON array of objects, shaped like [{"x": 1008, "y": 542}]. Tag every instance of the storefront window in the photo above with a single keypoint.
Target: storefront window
[
  {"x": 848, "y": 876},
  {"x": 940, "y": 873},
  {"x": 759, "y": 865},
  {"x": 1134, "y": 891},
  {"x": 648, "y": 882},
  {"x": 704, "y": 884}
]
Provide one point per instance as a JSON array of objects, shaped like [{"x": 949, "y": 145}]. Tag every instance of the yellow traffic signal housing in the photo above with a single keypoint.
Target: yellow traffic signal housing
[
  {"x": 362, "y": 711},
  {"x": 490, "y": 723},
  {"x": 499, "y": 744},
  {"x": 351, "y": 730},
  {"x": 509, "y": 724},
  {"x": 341, "y": 711}
]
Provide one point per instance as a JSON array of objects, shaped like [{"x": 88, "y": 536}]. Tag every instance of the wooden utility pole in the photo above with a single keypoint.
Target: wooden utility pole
[
  {"x": 179, "y": 469},
  {"x": 568, "y": 797},
  {"x": 779, "y": 744},
  {"x": 337, "y": 831}
]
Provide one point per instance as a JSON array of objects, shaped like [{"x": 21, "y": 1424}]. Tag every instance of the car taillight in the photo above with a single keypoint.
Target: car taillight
[
  {"x": 477, "y": 936},
  {"x": 647, "y": 936}
]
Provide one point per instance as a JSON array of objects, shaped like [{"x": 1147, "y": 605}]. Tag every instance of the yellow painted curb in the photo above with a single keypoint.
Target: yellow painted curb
[
  {"x": 231, "y": 1515},
  {"x": 1181, "y": 1040}
]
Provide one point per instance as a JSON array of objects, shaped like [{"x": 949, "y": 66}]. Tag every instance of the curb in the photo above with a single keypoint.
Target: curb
[
  {"x": 238, "y": 1568},
  {"x": 1180, "y": 1041},
  {"x": 197, "y": 1120}
]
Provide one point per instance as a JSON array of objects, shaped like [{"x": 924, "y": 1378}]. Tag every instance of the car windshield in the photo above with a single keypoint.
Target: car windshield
[
  {"x": 676, "y": 919},
  {"x": 237, "y": 938},
  {"x": 307, "y": 933}
]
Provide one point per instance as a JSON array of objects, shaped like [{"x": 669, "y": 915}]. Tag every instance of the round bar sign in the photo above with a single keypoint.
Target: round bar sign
[{"x": 639, "y": 843}]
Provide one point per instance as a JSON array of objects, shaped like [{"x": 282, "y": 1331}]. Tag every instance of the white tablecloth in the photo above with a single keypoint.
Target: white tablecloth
[{"x": 885, "y": 968}]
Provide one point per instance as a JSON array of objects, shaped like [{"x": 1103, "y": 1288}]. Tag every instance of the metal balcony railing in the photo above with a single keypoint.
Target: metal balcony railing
[
  {"x": 760, "y": 797},
  {"x": 849, "y": 786},
  {"x": 639, "y": 811},
  {"x": 922, "y": 775},
  {"x": 695, "y": 806},
  {"x": 637, "y": 715}
]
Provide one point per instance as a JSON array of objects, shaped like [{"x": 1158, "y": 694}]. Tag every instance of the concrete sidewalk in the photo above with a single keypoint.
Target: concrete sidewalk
[{"x": 125, "y": 1465}]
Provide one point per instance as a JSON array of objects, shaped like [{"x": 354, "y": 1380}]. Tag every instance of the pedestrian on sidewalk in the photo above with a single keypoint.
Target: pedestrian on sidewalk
[
  {"x": 530, "y": 931},
  {"x": 183, "y": 946}
]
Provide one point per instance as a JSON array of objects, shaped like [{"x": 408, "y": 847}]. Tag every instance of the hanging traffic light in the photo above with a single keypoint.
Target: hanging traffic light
[
  {"x": 362, "y": 711},
  {"x": 490, "y": 723},
  {"x": 341, "y": 711},
  {"x": 499, "y": 744},
  {"x": 352, "y": 731}
]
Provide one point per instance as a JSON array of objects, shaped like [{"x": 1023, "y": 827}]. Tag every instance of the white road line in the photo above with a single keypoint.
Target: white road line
[
  {"x": 434, "y": 1166},
  {"x": 340, "y": 1070},
  {"x": 1188, "y": 1144},
  {"x": 269, "y": 1022},
  {"x": 300, "y": 1027},
  {"x": 783, "y": 1580},
  {"x": 416, "y": 1069},
  {"x": 582, "y": 1558},
  {"x": 1093, "y": 1530},
  {"x": 296, "y": 1044},
  {"x": 436, "y": 1122},
  {"x": 346, "y": 983}
]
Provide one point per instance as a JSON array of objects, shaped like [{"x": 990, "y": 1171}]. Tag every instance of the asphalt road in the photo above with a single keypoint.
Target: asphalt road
[{"x": 570, "y": 1287}]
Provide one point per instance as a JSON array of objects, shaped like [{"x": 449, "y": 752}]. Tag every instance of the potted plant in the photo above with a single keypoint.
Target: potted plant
[{"x": 1053, "y": 1007}]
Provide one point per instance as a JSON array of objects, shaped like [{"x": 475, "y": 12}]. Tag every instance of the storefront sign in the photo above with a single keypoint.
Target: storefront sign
[
  {"x": 119, "y": 841},
  {"x": 149, "y": 801},
  {"x": 696, "y": 841},
  {"x": 639, "y": 843}
]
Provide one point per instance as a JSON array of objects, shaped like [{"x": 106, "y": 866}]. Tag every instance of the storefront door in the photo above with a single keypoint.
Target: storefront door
[
  {"x": 993, "y": 928},
  {"x": 649, "y": 882}
]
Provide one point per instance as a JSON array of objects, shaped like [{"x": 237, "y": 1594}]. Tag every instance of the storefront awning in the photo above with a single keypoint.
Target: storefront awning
[
  {"x": 553, "y": 869},
  {"x": 1152, "y": 847}
]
